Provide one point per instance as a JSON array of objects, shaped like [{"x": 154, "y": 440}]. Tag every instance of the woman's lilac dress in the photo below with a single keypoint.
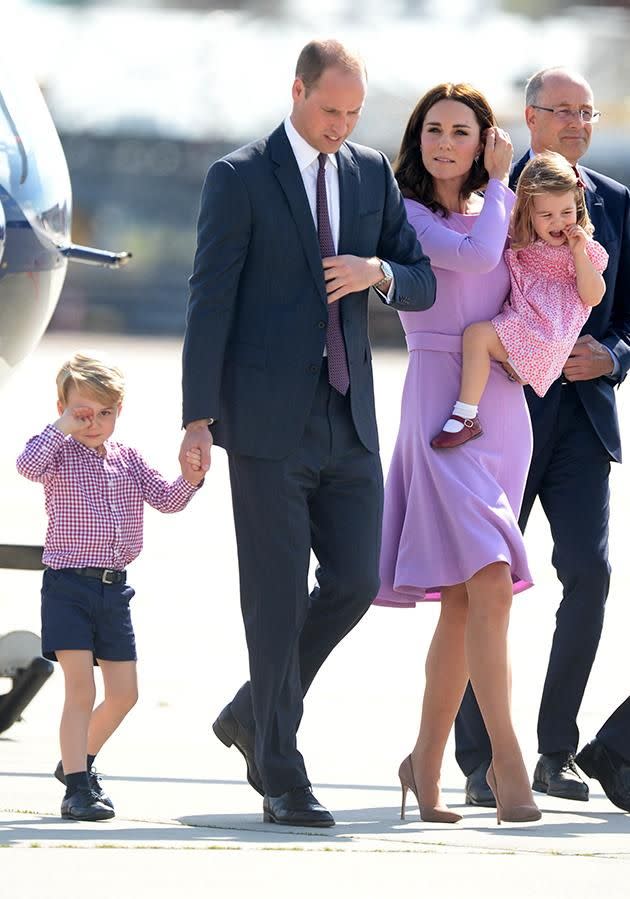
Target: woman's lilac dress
[{"x": 449, "y": 513}]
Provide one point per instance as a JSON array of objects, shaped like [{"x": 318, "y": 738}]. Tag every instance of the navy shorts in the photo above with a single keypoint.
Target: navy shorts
[{"x": 83, "y": 613}]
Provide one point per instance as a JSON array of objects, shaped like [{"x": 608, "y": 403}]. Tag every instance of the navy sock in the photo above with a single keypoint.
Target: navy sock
[{"x": 76, "y": 781}]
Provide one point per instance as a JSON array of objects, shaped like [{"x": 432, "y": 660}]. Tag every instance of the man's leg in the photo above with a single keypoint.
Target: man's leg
[
  {"x": 346, "y": 516},
  {"x": 273, "y": 538},
  {"x": 615, "y": 733},
  {"x": 575, "y": 497}
]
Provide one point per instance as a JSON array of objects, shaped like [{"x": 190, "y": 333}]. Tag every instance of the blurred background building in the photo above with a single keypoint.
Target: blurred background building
[{"x": 147, "y": 94}]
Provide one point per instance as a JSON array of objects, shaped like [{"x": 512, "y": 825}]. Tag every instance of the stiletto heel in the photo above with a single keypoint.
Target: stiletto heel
[
  {"x": 408, "y": 782},
  {"x": 515, "y": 814}
]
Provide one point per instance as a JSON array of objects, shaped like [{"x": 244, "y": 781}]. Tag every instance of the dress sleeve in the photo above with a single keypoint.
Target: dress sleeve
[
  {"x": 597, "y": 254},
  {"x": 478, "y": 251}
]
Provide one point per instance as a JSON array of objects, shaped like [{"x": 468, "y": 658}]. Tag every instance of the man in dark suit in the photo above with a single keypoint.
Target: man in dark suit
[
  {"x": 293, "y": 231},
  {"x": 576, "y": 435}
]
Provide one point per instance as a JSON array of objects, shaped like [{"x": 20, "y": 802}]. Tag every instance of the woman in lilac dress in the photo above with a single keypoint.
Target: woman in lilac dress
[{"x": 450, "y": 527}]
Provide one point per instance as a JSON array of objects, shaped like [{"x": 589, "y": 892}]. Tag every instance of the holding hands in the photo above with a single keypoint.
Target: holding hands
[
  {"x": 194, "y": 454},
  {"x": 497, "y": 157}
]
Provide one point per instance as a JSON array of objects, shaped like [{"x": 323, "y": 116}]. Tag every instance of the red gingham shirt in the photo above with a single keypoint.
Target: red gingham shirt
[{"x": 94, "y": 503}]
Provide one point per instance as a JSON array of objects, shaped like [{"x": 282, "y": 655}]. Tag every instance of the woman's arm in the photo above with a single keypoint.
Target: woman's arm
[{"x": 478, "y": 251}]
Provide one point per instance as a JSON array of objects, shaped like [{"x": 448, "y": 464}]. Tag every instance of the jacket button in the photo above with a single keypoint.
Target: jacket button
[
  {"x": 313, "y": 368},
  {"x": 321, "y": 324}
]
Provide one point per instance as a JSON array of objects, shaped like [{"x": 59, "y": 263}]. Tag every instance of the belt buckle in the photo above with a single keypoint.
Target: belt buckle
[{"x": 109, "y": 576}]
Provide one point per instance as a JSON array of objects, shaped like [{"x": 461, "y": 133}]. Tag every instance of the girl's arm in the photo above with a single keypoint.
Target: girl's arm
[
  {"x": 589, "y": 264},
  {"x": 481, "y": 249}
]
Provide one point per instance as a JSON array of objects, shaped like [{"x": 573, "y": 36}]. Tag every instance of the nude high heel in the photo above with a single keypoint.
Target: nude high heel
[
  {"x": 515, "y": 814},
  {"x": 408, "y": 782}
]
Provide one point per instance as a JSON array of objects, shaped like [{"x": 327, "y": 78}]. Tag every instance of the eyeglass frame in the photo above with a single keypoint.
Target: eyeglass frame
[{"x": 595, "y": 113}]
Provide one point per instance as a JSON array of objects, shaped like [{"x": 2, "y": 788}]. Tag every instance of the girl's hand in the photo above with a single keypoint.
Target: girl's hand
[
  {"x": 576, "y": 238},
  {"x": 497, "y": 157}
]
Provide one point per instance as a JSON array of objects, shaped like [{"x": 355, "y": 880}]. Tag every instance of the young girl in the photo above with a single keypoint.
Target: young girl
[{"x": 555, "y": 273}]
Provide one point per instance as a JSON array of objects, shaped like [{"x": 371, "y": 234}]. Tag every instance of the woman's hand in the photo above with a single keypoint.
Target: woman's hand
[{"x": 497, "y": 157}]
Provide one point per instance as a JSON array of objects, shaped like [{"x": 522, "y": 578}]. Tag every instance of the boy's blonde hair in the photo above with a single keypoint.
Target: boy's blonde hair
[
  {"x": 91, "y": 373},
  {"x": 546, "y": 173}
]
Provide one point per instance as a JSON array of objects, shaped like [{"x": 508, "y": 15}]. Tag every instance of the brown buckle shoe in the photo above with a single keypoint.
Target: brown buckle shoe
[{"x": 447, "y": 439}]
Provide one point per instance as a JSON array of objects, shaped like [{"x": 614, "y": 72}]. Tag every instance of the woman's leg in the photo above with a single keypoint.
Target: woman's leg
[
  {"x": 446, "y": 678},
  {"x": 121, "y": 694},
  {"x": 78, "y": 671},
  {"x": 489, "y": 603},
  {"x": 480, "y": 344}
]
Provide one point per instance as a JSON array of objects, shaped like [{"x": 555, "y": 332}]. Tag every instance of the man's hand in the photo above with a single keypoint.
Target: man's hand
[
  {"x": 511, "y": 373},
  {"x": 349, "y": 274},
  {"x": 194, "y": 454},
  {"x": 589, "y": 359}
]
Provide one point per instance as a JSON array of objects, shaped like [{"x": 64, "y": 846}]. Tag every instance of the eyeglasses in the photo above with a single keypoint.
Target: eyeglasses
[{"x": 566, "y": 114}]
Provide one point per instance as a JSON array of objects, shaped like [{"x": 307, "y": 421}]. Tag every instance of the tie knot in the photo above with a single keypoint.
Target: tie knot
[{"x": 323, "y": 158}]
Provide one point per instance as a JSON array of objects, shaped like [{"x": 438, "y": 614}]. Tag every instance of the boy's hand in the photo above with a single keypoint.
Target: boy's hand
[
  {"x": 194, "y": 473},
  {"x": 75, "y": 420},
  {"x": 194, "y": 454},
  {"x": 576, "y": 238}
]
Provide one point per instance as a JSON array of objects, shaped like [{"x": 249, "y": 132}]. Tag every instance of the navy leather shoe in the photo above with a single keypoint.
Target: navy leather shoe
[
  {"x": 94, "y": 780},
  {"x": 232, "y": 733},
  {"x": 84, "y": 805},
  {"x": 556, "y": 775},
  {"x": 610, "y": 769},
  {"x": 477, "y": 790},
  {"x": 297, "y": 807}
]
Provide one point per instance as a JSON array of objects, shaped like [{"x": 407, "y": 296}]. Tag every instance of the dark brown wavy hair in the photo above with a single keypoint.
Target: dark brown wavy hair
[{"x": 413, "y": 179}]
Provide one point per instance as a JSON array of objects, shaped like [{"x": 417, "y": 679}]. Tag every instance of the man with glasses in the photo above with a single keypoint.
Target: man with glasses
[{"x": 576, "y": 435}]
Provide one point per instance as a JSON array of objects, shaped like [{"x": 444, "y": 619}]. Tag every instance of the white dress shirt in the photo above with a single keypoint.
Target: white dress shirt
[{"x": 307, "y": 158}]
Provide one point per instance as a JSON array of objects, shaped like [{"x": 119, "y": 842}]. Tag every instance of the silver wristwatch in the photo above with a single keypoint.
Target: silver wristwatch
[{"x": 388, "y": 275}]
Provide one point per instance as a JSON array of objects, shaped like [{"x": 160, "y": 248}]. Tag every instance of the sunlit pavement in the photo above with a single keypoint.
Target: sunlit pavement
[{"x": 177, "y": 788}]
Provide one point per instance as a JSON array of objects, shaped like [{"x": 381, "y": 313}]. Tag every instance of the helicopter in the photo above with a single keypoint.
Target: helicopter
[{"x": 35, "y": 249}]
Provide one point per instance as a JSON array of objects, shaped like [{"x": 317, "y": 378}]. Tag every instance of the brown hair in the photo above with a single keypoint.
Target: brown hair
[
  {"x": 546, "y": 173},
  {"x": 317, "y": 56},
  {"x": 413, "y": 179},
  {"x": 93, "y": 374}
]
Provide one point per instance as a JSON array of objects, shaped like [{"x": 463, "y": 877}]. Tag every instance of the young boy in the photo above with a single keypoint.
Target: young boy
[{"x": 95, "y": 491}]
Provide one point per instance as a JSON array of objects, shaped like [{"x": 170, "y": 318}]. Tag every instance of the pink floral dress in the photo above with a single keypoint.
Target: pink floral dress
[{"x": 543, "y": 316}]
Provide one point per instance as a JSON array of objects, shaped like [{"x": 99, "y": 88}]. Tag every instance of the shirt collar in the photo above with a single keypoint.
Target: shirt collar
[{"x": 304, "y": 154}]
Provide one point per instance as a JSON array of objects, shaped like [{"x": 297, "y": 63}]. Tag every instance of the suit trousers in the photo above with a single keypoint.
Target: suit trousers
[
  {"x": 327, "y": 496},
  {"x": 615, "y": 733},
  {"x": 569, "y": 474}
]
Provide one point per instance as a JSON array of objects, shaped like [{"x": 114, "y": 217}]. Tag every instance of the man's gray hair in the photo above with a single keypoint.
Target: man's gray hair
[{"x": 535, "y": 83}]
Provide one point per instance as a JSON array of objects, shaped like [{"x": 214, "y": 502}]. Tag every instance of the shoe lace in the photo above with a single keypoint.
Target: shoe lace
[{"x": 570, "y": 766}]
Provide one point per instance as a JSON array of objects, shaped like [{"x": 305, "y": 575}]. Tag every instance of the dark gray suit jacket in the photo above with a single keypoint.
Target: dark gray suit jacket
[
  {"x": 608, "y": 205},
  {"x": 257, "y": 312}
]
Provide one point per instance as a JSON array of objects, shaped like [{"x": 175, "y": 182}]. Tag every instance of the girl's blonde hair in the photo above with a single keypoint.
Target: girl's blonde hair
[
  {"x": 546, "y": 173},
  {"x": 93, "y": 374}
]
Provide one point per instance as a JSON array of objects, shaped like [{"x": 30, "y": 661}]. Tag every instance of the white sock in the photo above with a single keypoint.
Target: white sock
[{"x": 465, "y": 410}]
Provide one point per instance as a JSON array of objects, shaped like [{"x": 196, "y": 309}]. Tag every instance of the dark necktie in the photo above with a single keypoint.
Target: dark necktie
[{"x": 338, "y": 374}]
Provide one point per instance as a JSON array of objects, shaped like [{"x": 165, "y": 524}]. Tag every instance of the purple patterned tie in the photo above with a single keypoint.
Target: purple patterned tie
[{"x": 338, "y": 374}]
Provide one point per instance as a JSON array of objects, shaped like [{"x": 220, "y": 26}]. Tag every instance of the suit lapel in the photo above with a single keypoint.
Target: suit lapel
[
  {"x": 515, "y": 174},
  {"x": 349, "y": 185},
  {"x": 287, "y": 172}
]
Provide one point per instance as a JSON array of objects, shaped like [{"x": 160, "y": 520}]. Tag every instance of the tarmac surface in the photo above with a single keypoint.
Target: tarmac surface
[{"x": 176, "y": 787}]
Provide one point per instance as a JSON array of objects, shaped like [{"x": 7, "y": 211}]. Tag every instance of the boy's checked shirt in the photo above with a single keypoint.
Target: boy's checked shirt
[{"x": 94, "y": 503}]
